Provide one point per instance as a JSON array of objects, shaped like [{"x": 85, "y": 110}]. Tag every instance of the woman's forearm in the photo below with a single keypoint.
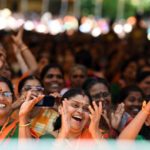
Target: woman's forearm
[
  {"x": 24, "y": 128},
  {"x": 28, "y": 57},
  {"x": 131, "y": 131},
  {"x": 22, "y": 63}
]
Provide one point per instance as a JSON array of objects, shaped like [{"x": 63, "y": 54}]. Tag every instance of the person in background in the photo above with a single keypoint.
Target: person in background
[
  {"x": 42, "y": 118},
  {"x": 132, "y": 130},
  {"x": 143, "y": 81},
  {"x": 132, "y": 97},
  {"x": 52, "y": 77},
  {"x": 128, "y": 73},
  {"x": 53, "y": 81},
  {"x": 99, "y": 90},
  {"x": 78, "y": 74},
  {"x": 23, "y": 54}
]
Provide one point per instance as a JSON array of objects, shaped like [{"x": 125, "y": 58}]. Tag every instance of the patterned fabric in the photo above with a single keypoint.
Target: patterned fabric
[
  {"x": 87, "y": 135},
  {"x": 43, "y": 123},
  {"x": 8, "y": 131}
]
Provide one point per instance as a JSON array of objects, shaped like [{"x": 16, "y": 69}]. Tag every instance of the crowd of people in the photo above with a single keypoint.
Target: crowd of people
[{"x": 100, "y": 86}]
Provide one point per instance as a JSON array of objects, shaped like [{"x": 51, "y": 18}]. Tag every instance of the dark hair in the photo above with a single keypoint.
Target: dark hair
[
  {"x": 69, "y": 94},
  {"x": 8, "y": 82},
  {"x": 126, "y": 91},
  {"x": 84, "y": 57},
  {"x": 79, "y": 67},
  {"x": 24, "y": 80},
  {"x": 142, "y": 75},
  {"x": 126, "y": 63},
  {"x": 50, "y": 66},
  {"x": 94, "y": 80},
  {"x": 73, "y": 92}
]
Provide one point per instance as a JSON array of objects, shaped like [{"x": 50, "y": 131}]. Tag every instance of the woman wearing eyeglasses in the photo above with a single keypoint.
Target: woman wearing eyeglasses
[
  {"x": 99, "y": 90},
  {"x": 79, "y": 118},
  {"x": 6, "y": 100},
  {"x": 41, "y": 118},
  {"x": 32, "y": 84}
]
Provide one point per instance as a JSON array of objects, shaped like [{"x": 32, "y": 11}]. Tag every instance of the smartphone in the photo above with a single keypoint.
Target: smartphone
[{"x": 47, "y": 101}]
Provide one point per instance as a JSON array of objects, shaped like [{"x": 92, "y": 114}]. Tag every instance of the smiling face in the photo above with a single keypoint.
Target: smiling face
[
  {"x": 130, "y": 71},
  {"x": 53, "y": 80},
  {"x": 77, "y": 78},
  {"x": 34, "y": 86},
  {"x": 5, "y": 99},
  {"x": 100, "y": 92},
  {"x": 78, "y": 112},
  {"x": 36, "y": 89},
  {"x": 133, "y": 103}
]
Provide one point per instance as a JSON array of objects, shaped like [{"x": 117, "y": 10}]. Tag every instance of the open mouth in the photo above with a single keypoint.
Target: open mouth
[
  {"x": 135, "y": 110},
  {"x": 54, "y": 85},
  {"x": 77, "y": 118},
  {"x": 2, "y": 105}
]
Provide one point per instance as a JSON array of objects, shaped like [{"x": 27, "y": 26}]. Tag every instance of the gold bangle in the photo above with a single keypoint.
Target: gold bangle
[{"x": 24, "y": 125}]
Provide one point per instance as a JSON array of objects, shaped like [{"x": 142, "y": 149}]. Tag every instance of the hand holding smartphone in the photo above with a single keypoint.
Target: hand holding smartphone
[{"x": 47, "y": 101}]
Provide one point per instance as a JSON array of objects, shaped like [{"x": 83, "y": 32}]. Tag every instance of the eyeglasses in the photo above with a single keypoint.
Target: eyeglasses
[
  {"x": 78, "y": 76},
  {"x": 6, "y": 94},
  {"x": 35, "y": 88},
  {"x": 58, "y": 76},
  {"x": 77, "y": 106},
  {"x": 100, "y": 94}
]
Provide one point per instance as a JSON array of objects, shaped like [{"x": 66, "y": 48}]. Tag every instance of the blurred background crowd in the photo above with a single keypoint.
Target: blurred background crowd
[
  {"x": 109, "y": 45},
  {"x": 71, "y": 43}
]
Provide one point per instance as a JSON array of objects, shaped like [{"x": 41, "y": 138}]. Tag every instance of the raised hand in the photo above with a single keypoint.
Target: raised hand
[
  {"x": 116, "y": 116},
  {"x": 105, "y": 115},
  {"x": 146, "y": 109},
  {"x": 18, "y": 38},
  {"x": 65, "y": 120},
  {"x": 147, "y": 122},
  {"x": 17, "y": 104},
  {"x": 28, "y": 104},
  {"x": 95, "y": 115},
  {"x": 131, "y": 131}
]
